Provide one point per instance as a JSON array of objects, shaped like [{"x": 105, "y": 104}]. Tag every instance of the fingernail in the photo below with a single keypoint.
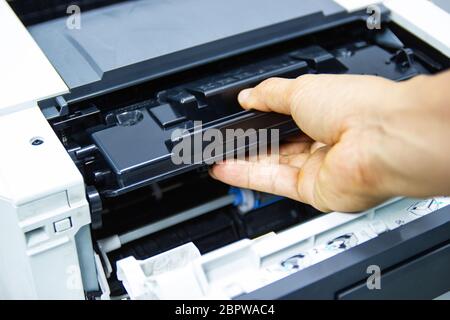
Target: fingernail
[{"x": 244, "y": 96}]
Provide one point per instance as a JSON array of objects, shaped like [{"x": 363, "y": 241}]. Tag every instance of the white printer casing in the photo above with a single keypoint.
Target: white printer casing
[{"x": 43, "y": 208}]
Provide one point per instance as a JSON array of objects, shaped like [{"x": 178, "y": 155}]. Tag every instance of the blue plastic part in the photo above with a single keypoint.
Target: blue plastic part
[
  {"x": 261, "y": 199},
  {"x": 237, "y": 192},
  {"x": 271, "y": 200}
]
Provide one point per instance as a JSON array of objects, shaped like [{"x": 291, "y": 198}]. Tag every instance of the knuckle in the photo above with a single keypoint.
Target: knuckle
[
  {"x": 267, "y": 84},
  {"x": 306, "y": 81},
  {"x": 305, "y": 78},
  {"x": 270, "y": 81},
  {"x": 302, "y": 87}
]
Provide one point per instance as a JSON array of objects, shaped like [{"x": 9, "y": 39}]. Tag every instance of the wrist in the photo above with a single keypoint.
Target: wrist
[{"x": 416, "y": 132}]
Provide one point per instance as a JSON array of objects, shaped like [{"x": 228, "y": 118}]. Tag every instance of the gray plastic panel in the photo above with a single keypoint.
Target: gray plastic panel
[
  {"x": 125, "y": 34},
  {"x": 331, "y": 277},
  {"x": 422, "y": 278},
  {"x": 444, "y": 4}
]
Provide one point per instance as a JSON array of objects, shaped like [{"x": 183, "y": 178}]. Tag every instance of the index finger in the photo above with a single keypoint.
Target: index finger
[{"x": 323, "y": 105}]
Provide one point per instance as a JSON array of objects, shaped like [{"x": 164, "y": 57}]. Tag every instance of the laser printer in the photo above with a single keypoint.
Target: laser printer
[{"x": 91, "y": 205}]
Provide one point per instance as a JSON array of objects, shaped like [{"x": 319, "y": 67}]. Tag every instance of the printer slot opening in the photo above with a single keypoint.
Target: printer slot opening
[{"x": 149, "y": 221}]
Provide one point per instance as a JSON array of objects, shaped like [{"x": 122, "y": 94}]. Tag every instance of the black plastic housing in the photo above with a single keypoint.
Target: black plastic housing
[{"x": 123, "y": 141}]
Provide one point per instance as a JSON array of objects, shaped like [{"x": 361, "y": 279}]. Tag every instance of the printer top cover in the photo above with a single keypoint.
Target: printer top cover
[{"x": 136, "y": 41}]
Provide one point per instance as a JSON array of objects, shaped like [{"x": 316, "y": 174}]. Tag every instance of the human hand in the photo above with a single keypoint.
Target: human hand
[{"x": 366, "y": 139}]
